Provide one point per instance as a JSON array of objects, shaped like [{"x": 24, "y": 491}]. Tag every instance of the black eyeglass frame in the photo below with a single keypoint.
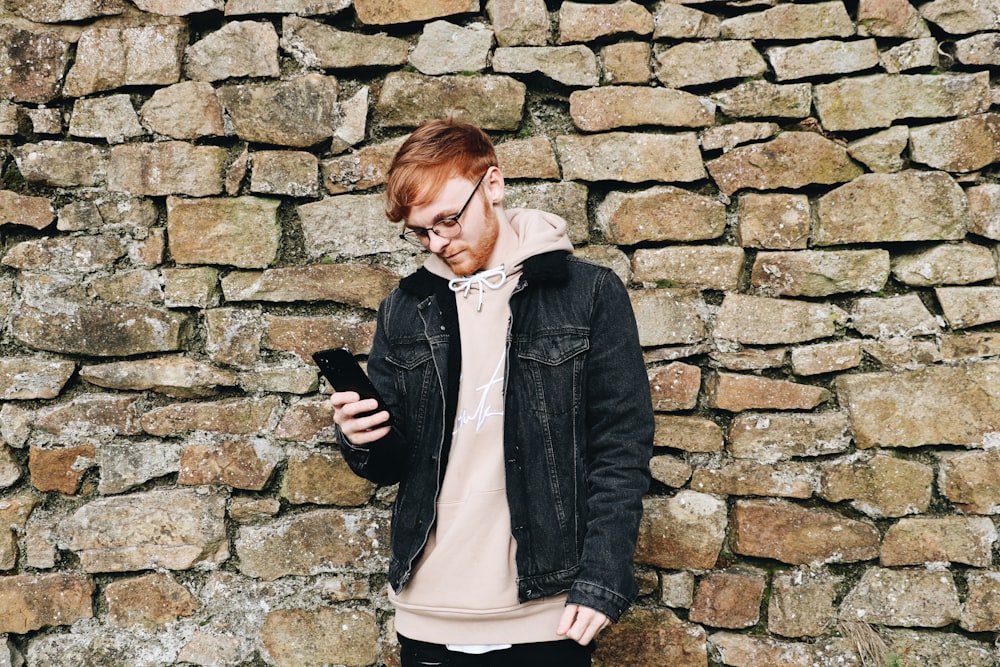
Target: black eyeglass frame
[{"x": 420, "y": 237}]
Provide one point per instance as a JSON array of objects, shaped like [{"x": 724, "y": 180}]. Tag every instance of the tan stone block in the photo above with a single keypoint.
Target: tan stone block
[
  {"x": 670, "y": 470},
  {"x": 702, "y": 267},
  {"x": 111, "y": 55},
  {"x": 754, "y": 320},
  {"x": 652, "y": 637},
  {"x": 750, "y": 359},
  {"x": 60, "y": 469},
  {"x": 63, "y": 163},
  {"x": 919, "y": 540},
  {"x": 728, "y": 137},
  {"x": 32, "y": 602},
  {"x": 683, "y": 531},
  {"x": 520, "y": 22},
  {"x": 914, "y": 54},
  {"x": 890, "y": 18},
  {"x": 239, "y": 464},
  {"x": 185, "y": 111},
  {"x": 323, "y": 478},
  {"x": 741, "y": 649},
  {"x": 303, "y": 335},
  {"x": 148, "y": 602},
  {"x": 750, "y": 478},
  {"x": 362, "y": 169},
  {"x": 902, "y": 353},
  {"x": 446, "y": 48},
  {"x": 981, "y": 611},
  {"x": 826, "y": 357},
  {"x": 786, "y": 532},
  {"x": 569, "y": 65},
  {"x": 966, "y": 307},
  {"x": 882, "y": 151},
  {"x": 233, "y": 336},
  {"x": 969, "y": 481},
  {"x": 284, "y": 378},
  {"x": 763, "y": 99},
  {"x": 677, "y": 589},
  {"x": 247, "y": 509},
  {"x": 494, "y": 102},
  {"x": 626, "y": 62},
  {"x": 362, "y": 285},
  {"x": 170, "y": 167},
  {"x": 879, "y": 486},
  {"x": 802, "y": 603},
  {"x": 962, "y": 145},
  {"x": 631, "y": 157},
  {"x": 904, "y": 597},
  {"x": 292, "y": 173},
  {"x": 206, "y": 648},
  {"x": 528, "y": 158},
  {"x": 884, "y": 317},
  {"x": 961, "y": 17},
  {"x": 972, "y": 344},
  {"x": 173, "y": 529},
  {"x": 977, "y": 50},
  {"x": 297, "y": 7},
  {"x": 815, "y": 273},
  {"x": 322, "y": 540},
  {"x": 81, "y": 254},
  {"x": 984, "y": 210},
  {"x": 661, "y": 213},
  {"x": 383, "y": 12},
  {"x": 667, "y": 316},
  {"x": 728, "y": 599},
  {"x": 320, "y": 636},
  {"x": 696, "y": 63},
  {"x": 14, "y": 514},
  {"x": 821, "y": 19},
  {"x": 737, "y": 393},
  {"x": 822, "y": 57},
  {"x": 89, "y": 415},
  {"x": 299, "y": 112},
  {"x": 937, "y": 405},
  {"x": 324, "y": 46},
  {"x": 579, "y": 22},
  {"x": 675, "y": 387},
  {"x": 27, "y": 378},
  {"x": 111, "y": 117},
  {"x": 149, "y": 251},
  {"x": 792, "y": 160},
  {"x": 237, "y": 49},
  {"x": 687, "y": 433},
  {"x": 674, "y": 21},
  {"x": 125, "y": 464},
  {"x": 878, "y": 208},
  {"x": 238, "y": 416},
  {"x": 17, "y": 209},
  {"x": 10, "y": 469},
  {"x": 242, "y": 232},
  {"x": 21, "y": 79},
  {"x": 611, "y": 107},
  {"x": 137, "y": 287},
  {"x": 195, "y": 287},
  {"x": 944, "y": 264},
  {"x": 877, "y": 100},
  {"x": 45, "y": 121},
  {"x": 776, "y": 436}
]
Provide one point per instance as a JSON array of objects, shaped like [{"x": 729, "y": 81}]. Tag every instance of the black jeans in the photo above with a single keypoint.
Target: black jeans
[{"x": 565, "y": 653}]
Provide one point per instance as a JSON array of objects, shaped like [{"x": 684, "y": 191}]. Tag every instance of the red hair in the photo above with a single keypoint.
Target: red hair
[{"x": 436, "y": 151}]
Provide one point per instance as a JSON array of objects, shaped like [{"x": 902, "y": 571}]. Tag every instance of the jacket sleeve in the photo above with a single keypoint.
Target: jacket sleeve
[
  {"x": 383, "y": 461},
  {"x": 619, "y": 421}
]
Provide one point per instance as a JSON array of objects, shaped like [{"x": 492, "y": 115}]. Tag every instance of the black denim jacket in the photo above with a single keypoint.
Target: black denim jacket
[{"x": 578, "y": 425}]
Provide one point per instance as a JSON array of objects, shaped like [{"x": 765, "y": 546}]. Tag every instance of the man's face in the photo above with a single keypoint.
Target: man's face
[{"x": 470, "y": 250}]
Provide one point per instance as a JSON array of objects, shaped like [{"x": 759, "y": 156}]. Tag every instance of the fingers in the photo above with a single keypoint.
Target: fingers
[
  {"x": 581, "y": 624},
  {"x": 359, "y": 430}
]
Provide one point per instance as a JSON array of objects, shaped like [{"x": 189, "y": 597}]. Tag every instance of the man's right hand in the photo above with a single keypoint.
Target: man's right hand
[{"x": 359, "y": 430}]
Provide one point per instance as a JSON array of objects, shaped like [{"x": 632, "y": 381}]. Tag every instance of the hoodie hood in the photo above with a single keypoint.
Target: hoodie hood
[{"x": 535, "y": 233}]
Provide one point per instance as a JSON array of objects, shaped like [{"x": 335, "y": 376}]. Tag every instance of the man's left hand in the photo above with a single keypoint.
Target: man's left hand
[{"x": 581, "y": 624}]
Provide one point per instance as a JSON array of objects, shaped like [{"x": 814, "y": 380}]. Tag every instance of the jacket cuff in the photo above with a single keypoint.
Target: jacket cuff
[{"x": 597, "y": 597}]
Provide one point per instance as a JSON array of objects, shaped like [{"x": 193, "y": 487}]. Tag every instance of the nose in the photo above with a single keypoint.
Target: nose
[{"x": 436, "y": 243}]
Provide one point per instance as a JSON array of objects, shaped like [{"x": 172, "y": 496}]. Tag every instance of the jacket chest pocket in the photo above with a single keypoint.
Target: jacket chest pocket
[
  {"x": 553, "y": 366},
  {"x": 412, "y": 365}
]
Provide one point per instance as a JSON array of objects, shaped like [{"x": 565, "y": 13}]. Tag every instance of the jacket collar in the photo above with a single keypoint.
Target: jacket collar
[{"x": 549, "y": 267}]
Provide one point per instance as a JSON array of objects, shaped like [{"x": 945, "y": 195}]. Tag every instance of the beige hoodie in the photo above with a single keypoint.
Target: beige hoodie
[{"x": 464, "y": 587}]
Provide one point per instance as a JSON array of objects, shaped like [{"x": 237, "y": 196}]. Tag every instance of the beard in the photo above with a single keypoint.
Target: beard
[{"x": 477, "y": 255}]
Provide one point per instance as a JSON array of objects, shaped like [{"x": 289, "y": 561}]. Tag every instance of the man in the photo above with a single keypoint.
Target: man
[{"x": 519, "y": 423}]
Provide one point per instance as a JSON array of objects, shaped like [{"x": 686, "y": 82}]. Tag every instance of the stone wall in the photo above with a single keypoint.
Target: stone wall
[{"x": 802, "y": 199}]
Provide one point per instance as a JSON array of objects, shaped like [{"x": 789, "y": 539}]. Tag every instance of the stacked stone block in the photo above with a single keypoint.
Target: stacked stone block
[{"x": 801, "y": 197}]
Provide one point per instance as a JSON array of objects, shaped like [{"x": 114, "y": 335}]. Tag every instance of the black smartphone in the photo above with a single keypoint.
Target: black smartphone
[{"x": 344, "y": 373}]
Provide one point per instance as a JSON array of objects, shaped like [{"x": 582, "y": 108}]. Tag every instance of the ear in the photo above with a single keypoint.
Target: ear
[{"x": 493, "y": 185}]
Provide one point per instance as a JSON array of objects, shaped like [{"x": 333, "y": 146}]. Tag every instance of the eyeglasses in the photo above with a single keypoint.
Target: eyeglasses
[{"x": 446, "y": 228}]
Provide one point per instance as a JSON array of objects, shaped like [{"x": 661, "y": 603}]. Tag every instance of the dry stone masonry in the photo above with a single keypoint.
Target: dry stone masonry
[{"x": 802, "y": 198}]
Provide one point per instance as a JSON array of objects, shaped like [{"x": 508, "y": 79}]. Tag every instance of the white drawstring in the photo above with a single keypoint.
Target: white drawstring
[{"x": 494, "y": 279}]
